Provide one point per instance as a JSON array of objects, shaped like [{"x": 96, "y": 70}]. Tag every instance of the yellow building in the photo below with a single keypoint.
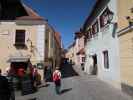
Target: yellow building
[
  {"x": 70, "y": 53},
  {"x": 49, "y": 47},
  {"x": 22, "y": 41},
  {"x": 125, "y": 34},
  {"x": 57, "y": 50},
  {"x": 52, "y": 48}
]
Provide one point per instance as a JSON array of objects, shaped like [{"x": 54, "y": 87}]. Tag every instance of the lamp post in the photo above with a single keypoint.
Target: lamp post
[{"x": 110, "y": 18}]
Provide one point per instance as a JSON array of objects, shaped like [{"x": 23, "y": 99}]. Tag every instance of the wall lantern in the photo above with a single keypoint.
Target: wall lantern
[{"x": 110, "y": 15}]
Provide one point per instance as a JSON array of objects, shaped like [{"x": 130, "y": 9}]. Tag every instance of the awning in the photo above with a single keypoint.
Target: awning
[
  {"x": 18, "y": 59},
  {"x": 81, "y": 51}
]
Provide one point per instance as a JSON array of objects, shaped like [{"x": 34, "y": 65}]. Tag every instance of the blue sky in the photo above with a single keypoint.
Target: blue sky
[{"x": 66, "y": 16}]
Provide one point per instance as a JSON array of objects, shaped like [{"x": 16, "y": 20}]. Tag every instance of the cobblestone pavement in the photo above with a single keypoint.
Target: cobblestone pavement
[{"x": 77, "y": 87}]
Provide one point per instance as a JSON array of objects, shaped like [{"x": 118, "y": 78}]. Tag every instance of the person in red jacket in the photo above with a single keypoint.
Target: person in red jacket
[
  {"x": 20, "y": 73},
  {"x": 57, "y": 80}
]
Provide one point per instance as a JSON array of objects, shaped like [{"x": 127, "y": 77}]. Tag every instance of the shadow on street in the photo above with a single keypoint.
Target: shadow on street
[
  {"x": 66, "y": 90},
  {"x": 32, "y": 99},
  {"x": 68, "y": 71},
  {"x": 127, "y": 89}
]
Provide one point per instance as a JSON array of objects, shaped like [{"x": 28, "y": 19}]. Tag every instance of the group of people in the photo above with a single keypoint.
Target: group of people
[
  {"x": 31, "y": 73},
  {"x": 35, "y": 76},
  {"x": 49, "y": 76},
  {"x": 5, "y": 87}
]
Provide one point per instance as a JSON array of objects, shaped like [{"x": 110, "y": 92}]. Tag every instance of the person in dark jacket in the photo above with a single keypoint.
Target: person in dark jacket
[
  {"x": 48, "y": 73},
  {"x": 10, "y": 76},
  {"x": 4, "y": 87}
]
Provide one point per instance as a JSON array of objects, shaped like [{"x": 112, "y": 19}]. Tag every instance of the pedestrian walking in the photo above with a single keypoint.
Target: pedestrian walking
[
  {"x": 48, "y": 73},
  {"x": 4, "y": 87},
  {"x": 57, "y": 80},
  {"x": 34, "y": 75}
]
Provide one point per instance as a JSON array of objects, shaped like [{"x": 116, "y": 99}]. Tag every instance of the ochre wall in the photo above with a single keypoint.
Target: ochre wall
[
  {"x": 7, "y": 38},
  {"x": 126, "y": 58},
  {"x": 124, "y": 7},
  {"x": 125, "y": 42}
]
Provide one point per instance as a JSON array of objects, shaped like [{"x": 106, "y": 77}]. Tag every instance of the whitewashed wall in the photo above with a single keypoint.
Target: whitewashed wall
[
  {"x": 105, "y": 41},
  {"x": 40, "y": 42}
]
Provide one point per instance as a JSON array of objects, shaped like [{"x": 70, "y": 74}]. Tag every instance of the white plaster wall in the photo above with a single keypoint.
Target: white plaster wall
[
  {"x": 75, "y": 51},
  {"x": 40, "y": 42},
  {"x": 105, "y": 41}
]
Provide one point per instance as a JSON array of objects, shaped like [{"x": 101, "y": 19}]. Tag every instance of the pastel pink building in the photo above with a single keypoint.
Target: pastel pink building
[{"x": 79, "y": 48}]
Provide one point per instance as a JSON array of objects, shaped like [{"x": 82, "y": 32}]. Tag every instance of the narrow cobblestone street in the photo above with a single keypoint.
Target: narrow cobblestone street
[
  {"x": 77, "y": 87},
  {"x": 48, "y": 45}
]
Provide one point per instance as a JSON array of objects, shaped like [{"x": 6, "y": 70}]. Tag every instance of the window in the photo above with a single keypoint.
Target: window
[
  {"x": 20, "y": 38},
  {"x": 83, "y": 59},
  {"x": 89, "y": 33},
  {"x": 104, "y": 18},
  {"x": 106, "y": 59},
  {"x": 86, "y": 35},
  {"x": 95, "y": 28}
]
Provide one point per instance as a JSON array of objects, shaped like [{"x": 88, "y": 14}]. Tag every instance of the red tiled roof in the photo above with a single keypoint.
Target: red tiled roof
[
  {"x": 81, "y": 51},
  {"x": 32, "y": 15},
  {"x": 78, "y": 35}
]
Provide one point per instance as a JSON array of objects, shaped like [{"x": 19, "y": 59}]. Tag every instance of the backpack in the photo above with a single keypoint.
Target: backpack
[{"x": 56, "y": 77}]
